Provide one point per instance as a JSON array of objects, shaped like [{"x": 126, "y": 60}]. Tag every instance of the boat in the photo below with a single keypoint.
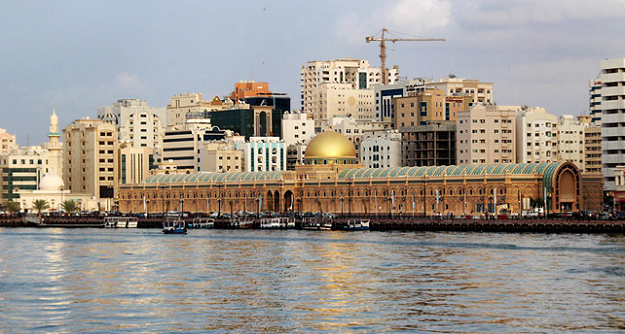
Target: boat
[
  {"x": 120, "y": 222},
  {"x": 199, "y": 223},
  {"x": 317, "y": 224},
  {"x": 177, "y": 226},
  {"x": 244, "y": 222},
  {"x": 277, "y": 223},
  {"x": 356, "y": 225}
]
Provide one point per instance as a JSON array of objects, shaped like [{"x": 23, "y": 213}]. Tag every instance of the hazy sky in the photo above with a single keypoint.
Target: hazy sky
[{"x": 78, "y": 55}]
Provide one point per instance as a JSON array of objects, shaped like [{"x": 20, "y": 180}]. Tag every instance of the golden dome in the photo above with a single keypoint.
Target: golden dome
[{"x": 330, "y": 145}]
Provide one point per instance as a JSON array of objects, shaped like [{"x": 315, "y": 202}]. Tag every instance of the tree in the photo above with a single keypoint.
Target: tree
[
  {"x": 69, "y": 206},
  {"x": 40, "y": 205},
  {"x": 13, "y": 207}
]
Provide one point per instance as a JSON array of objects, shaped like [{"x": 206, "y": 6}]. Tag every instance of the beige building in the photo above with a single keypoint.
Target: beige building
[
  {"x": 432, "y": 144},
  {"x": 592, "y": 148},
  {"x": 221, "y": 156},
  {"x": 481, "y": 92},
  {"x": 571, "y": 140},
  {"x": 486, "y": 135},
  {"x": 536, "y": 135},
  {"x": 135, "y": 163},
  {"x": 339, "y": 76},
  {"x": 7, "y": 142},
  {"x": 90, "y": 153},
  {"x": 428, "y": 105},
  {"x": 191, "y": 103}
]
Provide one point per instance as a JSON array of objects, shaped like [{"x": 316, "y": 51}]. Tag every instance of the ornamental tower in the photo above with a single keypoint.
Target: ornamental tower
[{"x": 54, "y": 147}]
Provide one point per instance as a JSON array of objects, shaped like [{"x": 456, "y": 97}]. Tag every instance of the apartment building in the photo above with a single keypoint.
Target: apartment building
[
  {"x": 486, "y": 135},
  {"x": 90, "y": 158},
  {"x": 262, "y": 154},
  {"x": 381, "y": 148},
  {"x": 428, "y": 105},
  {"x": 244, "y": 89},
  {"x": 536, "y": 134},
  {"x": 297, "y": 127},
  {"x": 7, "y": 142},
  {"x": 571, "y": 140}
]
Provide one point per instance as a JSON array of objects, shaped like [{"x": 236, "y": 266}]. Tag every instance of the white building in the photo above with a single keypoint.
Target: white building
[
  {"x": 612, "y": 108},
  {"x": 183, "y": 147},
  {"x": 262, "y": 154},
  {"x": 536, "y": 135},
  {"x": 22, "y": 170},
  {"x": 339, "y": 76},
  {"x": 297, "y": 127},
  {"x": 138, "y": 124},
  {"x": 221, "y": 156},
  {"x": 595, "y": 100},
  {"x": 486, "y": 135},
  {"x": 135, "y": 163},
  {"x": 571, "y": 140},
  {"x": 381, "y": 148}
]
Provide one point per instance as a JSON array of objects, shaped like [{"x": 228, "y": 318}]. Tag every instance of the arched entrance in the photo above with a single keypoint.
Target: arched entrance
[
  {"x": 288, "y": 201},
  {"x": 276, "y": 201},
  {"x": 269, "y": 205}
]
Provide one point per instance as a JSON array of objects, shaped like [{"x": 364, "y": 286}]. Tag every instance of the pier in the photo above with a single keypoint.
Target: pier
[{"x": 539, "y": 225}]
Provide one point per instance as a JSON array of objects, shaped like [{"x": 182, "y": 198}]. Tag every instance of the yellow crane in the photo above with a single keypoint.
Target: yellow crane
[{"x": 383, "y": 41}]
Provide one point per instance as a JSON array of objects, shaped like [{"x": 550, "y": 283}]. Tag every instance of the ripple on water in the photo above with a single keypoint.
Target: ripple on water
[{"x": 96, "y": 280}]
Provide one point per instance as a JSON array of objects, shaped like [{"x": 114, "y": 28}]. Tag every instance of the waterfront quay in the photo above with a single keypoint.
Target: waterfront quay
[{"x": 379, "y": 223}]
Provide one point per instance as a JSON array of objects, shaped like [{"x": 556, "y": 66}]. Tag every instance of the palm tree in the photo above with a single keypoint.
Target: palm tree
[
  {"x": 40, "y": 205},
  {"x": 13, "y": 207},
  {"x": 69, "y": 206}
]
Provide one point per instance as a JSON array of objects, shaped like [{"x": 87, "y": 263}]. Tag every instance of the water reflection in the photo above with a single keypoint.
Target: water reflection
[{"x": 284, "y": 281}]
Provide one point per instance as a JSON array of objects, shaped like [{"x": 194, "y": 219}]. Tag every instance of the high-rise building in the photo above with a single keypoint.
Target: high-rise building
[
  {"x": 536, "y": 135},
  {"x": 482, "y": 92},
  {"x": 244, "y": 89},
  {"x": 138, "y": 124},
  {"x": 612, "y": 78},
  {"x": 431, "y": 144},
  {"x": 90, "y": 153},
  {"x": 384, "y": 94},
  {"x": 256, "y": 121},
  {"x": 486, "y": 135},
  {"x": 355, "y": 74},
  {"x": 592, "y": 145},
  {"x": 595, "y": 100},
  {"x": 571, "y": 140}
]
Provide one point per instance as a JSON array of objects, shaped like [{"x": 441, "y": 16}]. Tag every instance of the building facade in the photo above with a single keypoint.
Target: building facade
[
  {"x": 297, "y": 128},
  {"x": 342, "y": 75},
  {"x": 536, "y": 135},
  {"x": 183, "y": 147},
  {"x": 332, "y": 181},
  {"x": 138, "y": 124},
  {"x": 612, "y": 108},
  {"x": 432, "y": 144},
  {"x": 428, "y": 105},
  {"x": 354, "y": 129},
  {"x": 571, "y": 140},
  {"x": 135, "y": 163},
  {"x": 244, "y": 89},
  {"x": 486, "y": 135},
  {"x": 592, "y": 148},
  {"x": 220, "y": 156},
  {"x": 7, "y": 142},
  {"x": 381, "y": 148},
  {"x": 22, "y": 170},
  {"x": 263, "y": 154},
  {"x": 90, "y": 158},
  {"x": 255, "y": 121}
]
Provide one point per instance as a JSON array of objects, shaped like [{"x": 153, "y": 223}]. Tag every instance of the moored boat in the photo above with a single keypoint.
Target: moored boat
[
  {"x": 316, "y": 223},
  {"x": 177, "y": 226},
  {"x": 356, "y": 225},
  {"x": 199, "y": 223},
  {"x": 120, "y": 222}
]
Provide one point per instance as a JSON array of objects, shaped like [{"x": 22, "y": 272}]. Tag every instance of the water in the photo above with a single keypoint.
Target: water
[{"x": 250, "y": 281}]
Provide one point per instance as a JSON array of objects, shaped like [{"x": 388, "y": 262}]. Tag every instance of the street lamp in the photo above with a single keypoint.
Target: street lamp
[{"x": 341, "y": 204}]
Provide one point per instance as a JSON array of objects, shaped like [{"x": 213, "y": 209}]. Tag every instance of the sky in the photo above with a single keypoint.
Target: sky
[{"x": 76, "y": 56}]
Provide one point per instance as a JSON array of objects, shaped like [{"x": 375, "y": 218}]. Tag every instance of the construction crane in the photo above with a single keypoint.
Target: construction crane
[{"x": 383, "y": 41}]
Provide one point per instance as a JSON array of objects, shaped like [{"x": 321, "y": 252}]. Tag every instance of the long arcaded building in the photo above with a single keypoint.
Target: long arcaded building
[{"x": 332, "y": 181}]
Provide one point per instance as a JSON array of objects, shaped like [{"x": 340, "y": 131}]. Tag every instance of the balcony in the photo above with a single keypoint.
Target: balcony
[
  {"x": 614, "y": 104},
  {"x": 612, "y": 77}
]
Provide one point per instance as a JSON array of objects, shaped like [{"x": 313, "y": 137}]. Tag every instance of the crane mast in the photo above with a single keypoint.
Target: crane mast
[{"x": 383, "y": 41}]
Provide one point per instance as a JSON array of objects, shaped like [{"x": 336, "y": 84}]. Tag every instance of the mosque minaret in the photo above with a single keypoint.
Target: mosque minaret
[{"x": 54, "y": 147}]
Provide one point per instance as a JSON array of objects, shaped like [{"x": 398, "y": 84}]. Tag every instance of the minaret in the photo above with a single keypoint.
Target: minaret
[{"x": 54, "y": 147}]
